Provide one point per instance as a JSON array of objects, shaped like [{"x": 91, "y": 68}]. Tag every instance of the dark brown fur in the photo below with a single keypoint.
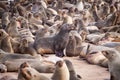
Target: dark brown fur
[
  {"x": 55, "y": 44},
  {"x": 73, "y": 75}
]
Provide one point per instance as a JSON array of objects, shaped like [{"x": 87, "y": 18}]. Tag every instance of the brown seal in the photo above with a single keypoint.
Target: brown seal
[
  {"x": 5, "y": 41},
  {"x": 113, "y": 57},
  {"x": 55, "y": 44},
  {"x": 3, "y": 68},
  {"x": 26, "y": 49},
  {"x": 26, "y": 72},
  {"x": 73, "y": 75},
  {"x": 61, "y": 71}
]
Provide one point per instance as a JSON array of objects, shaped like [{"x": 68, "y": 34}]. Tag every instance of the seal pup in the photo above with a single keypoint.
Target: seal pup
[
  {"x": 12, "y": 29},
  {"x": 26, "y": 49},
  {"x": 40, "y": 65},
  {"x": 73, "y": 47},
  {"x": 97, "y": 58},
  {"x": 113, "y": 57},
  {"x": 73, "y": 75},
  {"x": 61, "y": 71},
  {"x": 21, "y": 10},
  {"x": 26, "y": 72},
  {"x": 80, "y": 5}
]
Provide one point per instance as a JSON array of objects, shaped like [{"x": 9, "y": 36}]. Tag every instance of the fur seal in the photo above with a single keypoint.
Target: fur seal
[
  {"x": 55, "y": 44},
  {"x": 11, "y": 29},
  {"x": 40, "y": 65},
  {"x": 73, "y": 75},
  {"x": 5, "y": 56},
  {"x": 5, "y": 20},
  {"x": 113, "y": 57},
  {"x": 61, "y": 71},
  {"x": 3, "y": 68},
  {"x": 26, "y": 72},
  {"x": 5, "y": 41},
  {"x": 26, "y": 49},
  {"x": 73, "y": 48}
]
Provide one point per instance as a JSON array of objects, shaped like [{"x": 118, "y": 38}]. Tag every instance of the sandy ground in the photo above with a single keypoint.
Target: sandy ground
[{"x": 86, "y": 70}]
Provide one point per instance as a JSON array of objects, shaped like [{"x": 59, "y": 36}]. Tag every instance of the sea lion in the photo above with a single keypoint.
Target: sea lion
[
  {"x": 55, "y": 44},
  {"x": 3, "y": 68},
  {"x": 5, "y": 41},
  {"x": 26, "y": 49},
  {"x": 73, "y": 75},
  {"x": 113, "y": 57},
  {"x": 61, "y": 71},
  {"x": 26, "y": 72}
]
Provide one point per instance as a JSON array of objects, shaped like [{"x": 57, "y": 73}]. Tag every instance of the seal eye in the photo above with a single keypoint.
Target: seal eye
[{"x": 107, "y": 53}]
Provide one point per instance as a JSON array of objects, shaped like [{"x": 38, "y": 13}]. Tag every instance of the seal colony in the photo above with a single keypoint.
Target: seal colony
[{"x": 32, "y": 29}]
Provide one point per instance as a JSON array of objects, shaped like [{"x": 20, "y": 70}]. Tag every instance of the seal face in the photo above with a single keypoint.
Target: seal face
[{"x": 113, "y": 57}]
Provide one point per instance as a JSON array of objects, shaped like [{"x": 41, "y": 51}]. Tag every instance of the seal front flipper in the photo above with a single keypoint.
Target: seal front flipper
[{"x": 59, "y": 53}]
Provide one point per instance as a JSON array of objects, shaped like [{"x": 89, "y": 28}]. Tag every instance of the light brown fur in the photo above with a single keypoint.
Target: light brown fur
[
  {"x": 26, "y": 72},
  {"x": 5, "y": 41},
  {"x": 61, "y": 71}
]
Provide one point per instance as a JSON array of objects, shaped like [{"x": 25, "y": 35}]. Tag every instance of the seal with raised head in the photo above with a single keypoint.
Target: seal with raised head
[
  {"x": 26, "y": 49},
  {"x": 113, "y": 57},
  {"x": 55, "y": 44},
  {"x": 26, "y": 72},
  {"x": 73, "y": 75},
  {"x": 5, "y": 41},
  {"x": 61, "y": 71}
]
